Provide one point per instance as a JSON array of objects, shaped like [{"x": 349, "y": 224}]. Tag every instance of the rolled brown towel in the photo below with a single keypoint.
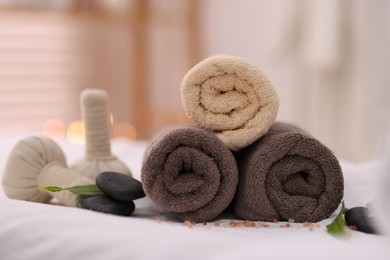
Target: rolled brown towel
[
  {"x": 189, "y": 172},
  {"x": 231, "y": 97},
  {"x": 285, "y": 175}
]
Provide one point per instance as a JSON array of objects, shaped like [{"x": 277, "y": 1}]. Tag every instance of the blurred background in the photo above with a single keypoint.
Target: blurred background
[{"x": 329, "y": 61}]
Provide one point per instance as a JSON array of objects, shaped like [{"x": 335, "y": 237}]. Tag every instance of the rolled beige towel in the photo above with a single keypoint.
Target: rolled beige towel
[{"x": 231, "y": 97}]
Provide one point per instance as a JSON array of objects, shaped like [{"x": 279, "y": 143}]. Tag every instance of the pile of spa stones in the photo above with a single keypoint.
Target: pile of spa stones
[{"x": 119, "y": 193}]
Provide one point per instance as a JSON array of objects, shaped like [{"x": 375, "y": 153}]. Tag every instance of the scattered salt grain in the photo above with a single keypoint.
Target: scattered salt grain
[
  {"x": 189, "y": 223},
  {"x": 264, "y": 225}
]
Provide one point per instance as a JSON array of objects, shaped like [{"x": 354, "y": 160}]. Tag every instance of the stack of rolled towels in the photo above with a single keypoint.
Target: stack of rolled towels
[{"x": 235, "y": 154}]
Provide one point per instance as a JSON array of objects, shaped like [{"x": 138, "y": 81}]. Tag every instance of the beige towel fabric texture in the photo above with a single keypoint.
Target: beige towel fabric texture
[{"x": 231, "y": 97}]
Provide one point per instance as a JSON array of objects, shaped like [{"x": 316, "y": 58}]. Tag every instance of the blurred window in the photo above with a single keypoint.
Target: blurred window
[{"x": 41, "y": 65}]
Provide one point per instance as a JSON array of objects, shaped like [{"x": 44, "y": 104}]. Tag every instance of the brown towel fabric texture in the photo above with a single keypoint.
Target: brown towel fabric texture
[
  {"x": 188, "y": 171},
  {"x": 231, "y": 97},
  {"x": 285, "y": 175}
]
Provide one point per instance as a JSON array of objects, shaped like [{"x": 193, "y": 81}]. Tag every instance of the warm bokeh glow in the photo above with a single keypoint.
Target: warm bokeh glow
[
  {"x": 126, "y": 131},
  {"x": 76, "y": 132},
  {"x": 111, "y": 119},
  {"x": 54, "y": 128}
]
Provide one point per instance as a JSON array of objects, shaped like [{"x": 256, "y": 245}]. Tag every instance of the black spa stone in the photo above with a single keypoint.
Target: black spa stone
[
  {"x": 107, "y": 205},
  {"x": 361, "y": 219},
  {"x": 119, "y": 186}
]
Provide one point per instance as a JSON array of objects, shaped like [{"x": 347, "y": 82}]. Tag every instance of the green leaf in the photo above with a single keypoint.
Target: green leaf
[
  {"x": 52, "y": 188},
  {"x": 86, "y": 190},
  {"x": 337, "y": 227}
]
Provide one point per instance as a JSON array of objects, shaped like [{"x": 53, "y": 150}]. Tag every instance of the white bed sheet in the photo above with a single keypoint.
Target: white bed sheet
[{"x": 39, "y": 231}]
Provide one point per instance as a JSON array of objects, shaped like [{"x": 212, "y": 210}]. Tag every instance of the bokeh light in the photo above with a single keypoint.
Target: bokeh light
[
  {"x": 54, "y": 128},
  {"x": 111, "y": 120},
  {"x": 76, "y": 132},
  {"x": 126, "y": 131}
]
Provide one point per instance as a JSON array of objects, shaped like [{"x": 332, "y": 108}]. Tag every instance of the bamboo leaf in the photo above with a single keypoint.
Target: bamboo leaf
[
  {"x": 52, "y": 188},
  {"x": 86, "y": 190}
]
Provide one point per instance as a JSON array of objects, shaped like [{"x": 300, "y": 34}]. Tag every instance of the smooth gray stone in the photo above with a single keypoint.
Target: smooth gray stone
[
  {"x": 359, "y": 217},
  {"x": 107, "y": 205},
  {"x": 119, "y": 186}
]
